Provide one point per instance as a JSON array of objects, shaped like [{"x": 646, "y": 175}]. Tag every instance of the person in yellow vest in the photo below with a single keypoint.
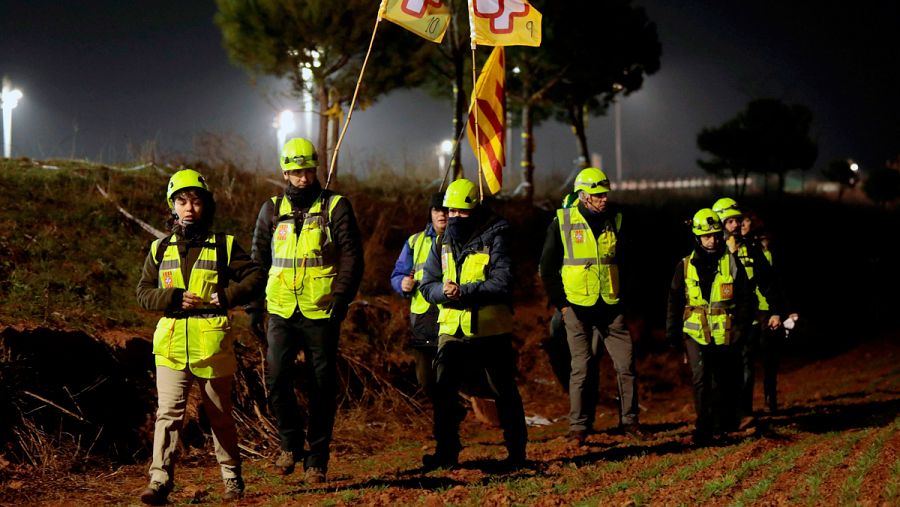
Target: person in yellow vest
[
  {"x": 405, "y": 279},
  {"x": 711, "y": 305},
  {"x": 468, "y": 275},
  {"x": 308, "y": 241},
  {"x": 193, "y": 277},
  {"x": 767, "y": 326},
  {"x": 580, "y": 270},
  {"x": 556, "y": 345}
]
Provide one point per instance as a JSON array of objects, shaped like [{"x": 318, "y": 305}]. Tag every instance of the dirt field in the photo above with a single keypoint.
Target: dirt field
[{"x": 836, "y": 441}]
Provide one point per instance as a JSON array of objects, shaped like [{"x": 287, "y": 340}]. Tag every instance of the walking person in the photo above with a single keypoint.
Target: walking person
[
  {"x": 308, "y": 241},
  {"x": 580, "y": 270},
  {"x": 769, "y": 340},
  {"x": 710, "y": 307},
  {"x": 468, "y": 274},
  {"x": 406, "y": 279},
  {"x": 193, "y": 277}
]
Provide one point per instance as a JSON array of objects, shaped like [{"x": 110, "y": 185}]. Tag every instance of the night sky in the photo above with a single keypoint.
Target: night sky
[{"x": 103, "y": 77}]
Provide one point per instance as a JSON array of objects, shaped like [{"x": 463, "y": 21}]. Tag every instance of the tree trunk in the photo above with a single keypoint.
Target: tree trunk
[
  {"x": 322, "y": 144},
  {"x": 459, "y": 119},
  {"x": 335, "y": 121},
  {"x": 528, "y": 152},
  {"x": 576, "y": 120}
]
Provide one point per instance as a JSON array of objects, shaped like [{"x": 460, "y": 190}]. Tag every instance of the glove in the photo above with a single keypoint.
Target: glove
[
  {"x": 339, "y": 305},
  {"x": 258, "y": 324}
]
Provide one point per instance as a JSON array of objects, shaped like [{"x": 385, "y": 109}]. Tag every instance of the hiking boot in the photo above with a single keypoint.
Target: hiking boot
[
  {"x": 234, "y": 489},
  {"x": 701, "y": 438},
  {"x": 771, "y": 404},
  {"x": 285, "y": 462},
  {"x": 156, "y": 493},
  {"x": 634, "y": 431},
  {"x": 439, "y": 460},
  {"x": 314, "y": 475},
  {"x": 746, "y": 422},
  {"x": 514, "y": 461},
  {"x": 577, "y": 437}
]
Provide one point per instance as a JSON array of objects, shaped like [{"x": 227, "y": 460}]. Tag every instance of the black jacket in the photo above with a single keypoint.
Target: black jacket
[
  {"x": 552, "y": 258},
  {"x": 344, "y": 233},
  {"x": 247, "y": 280},
  {"x": 707, "y": 265}
]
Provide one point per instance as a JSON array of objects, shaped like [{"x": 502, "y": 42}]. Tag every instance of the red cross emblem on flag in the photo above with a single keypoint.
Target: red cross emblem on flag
[
  {"x": 579, "y": 236},
  {"x": 282, "y": 232},
  {"x": 167, "y": 279}
]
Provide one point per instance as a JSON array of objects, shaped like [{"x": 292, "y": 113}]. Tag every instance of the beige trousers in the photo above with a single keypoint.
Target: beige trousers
[{"x": 172, "y": 388}]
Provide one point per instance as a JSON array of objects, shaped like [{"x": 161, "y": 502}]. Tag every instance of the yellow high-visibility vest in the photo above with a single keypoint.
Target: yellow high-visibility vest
[
  {"x": 748, "y": 262},
  {"x": 201, "y": 342},
  {"x": 487, "y": 320},
  {"x": 303, "y": 265},
  {"x": 589, "y": 269},
  {"x": 420, "y": 244},
  {"x": 710, "y": 321}
]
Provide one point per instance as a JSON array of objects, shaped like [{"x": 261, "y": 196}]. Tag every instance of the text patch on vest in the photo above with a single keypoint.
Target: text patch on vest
[
  {"x": 167, "y": 280},
  {"x": 579, "y": 236}
]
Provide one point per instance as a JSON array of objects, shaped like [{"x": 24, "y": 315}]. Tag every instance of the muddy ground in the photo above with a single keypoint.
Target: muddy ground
[{"x": 835, "y": 441}]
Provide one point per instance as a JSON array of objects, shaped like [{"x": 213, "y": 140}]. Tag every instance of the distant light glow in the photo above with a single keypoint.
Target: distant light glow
[
  {"x": 9, "y": 99},
  {"x": 854, "y": 167},
  {"x": 447, "y": 147}
]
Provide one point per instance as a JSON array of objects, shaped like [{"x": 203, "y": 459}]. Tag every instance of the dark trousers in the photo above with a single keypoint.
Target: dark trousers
[
  {"x": 455, "y": 360},
  {"x": 767, "y": 343},
  {"x": 557, "y": 349},
  {"x": 318, "y": 339},
  {"x": 715, "y": 380},
  {"x": 425, "y": 369}
]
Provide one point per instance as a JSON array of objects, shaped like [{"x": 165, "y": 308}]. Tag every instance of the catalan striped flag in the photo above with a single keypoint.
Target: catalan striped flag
[
  {"x": 489, "y": 103},
  {"x": 505, "y": 23},
  {"x": 425, "y": 18}
]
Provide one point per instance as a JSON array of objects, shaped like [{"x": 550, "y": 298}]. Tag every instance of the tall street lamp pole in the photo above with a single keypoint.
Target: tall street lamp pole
[
  {"x": 617, "y": 108},
  {"x": 9, "y": 98}
]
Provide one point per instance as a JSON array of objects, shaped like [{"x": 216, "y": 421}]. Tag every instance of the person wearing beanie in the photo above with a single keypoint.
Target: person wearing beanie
[{"x": 405, "y": 280}]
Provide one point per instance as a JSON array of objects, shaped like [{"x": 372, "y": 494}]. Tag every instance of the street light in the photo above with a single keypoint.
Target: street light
[
  {"x": 445, "y": 149},
  {"x": 284, "y": 124},
  {"x": 617, "y": 109},
  {"x": 9, "y": 99}
]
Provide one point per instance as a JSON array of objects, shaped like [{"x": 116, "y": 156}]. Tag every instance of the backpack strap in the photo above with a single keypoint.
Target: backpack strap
[
  {"x": 161, "y": 249},
  {"x": 276, "y": 212},
  {"x": 221, "y": 261}
]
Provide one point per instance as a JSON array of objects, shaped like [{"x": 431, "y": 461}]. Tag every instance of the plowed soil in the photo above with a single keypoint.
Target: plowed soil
[{"x": 836, "y": 440}]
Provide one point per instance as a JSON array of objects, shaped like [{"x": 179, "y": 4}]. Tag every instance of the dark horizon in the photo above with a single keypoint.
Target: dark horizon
[{"x": 120, "y": 74}]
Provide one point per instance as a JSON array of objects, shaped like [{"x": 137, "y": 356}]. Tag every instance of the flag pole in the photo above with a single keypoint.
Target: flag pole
[
  {"x": 362, "y": 71},
  {"x": 474, "y": 105}
]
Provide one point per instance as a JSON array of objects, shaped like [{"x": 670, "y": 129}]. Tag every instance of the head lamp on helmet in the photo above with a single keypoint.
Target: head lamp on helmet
[
  {"x": 297, "y": 154},
  {"x": 461, "y": 194},
  {"x": 705, "y": 222},
  {"x": 726, "y": 207},
  {"x": 592, "y": 180},
  {"x": 184, "y": 179}
]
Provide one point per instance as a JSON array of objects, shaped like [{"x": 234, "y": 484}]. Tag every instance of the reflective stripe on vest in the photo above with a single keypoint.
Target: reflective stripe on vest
[
  {"x": 748, "y": 262},
  {"x": 303, "y": 262},
  {"x": 420, "y": 245},
  {"x": 589, "y": 270},
  {"x": 490, "y": 320},
  {"x": 709, "y": 322},
  {"x": 201, "y": 342}
]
